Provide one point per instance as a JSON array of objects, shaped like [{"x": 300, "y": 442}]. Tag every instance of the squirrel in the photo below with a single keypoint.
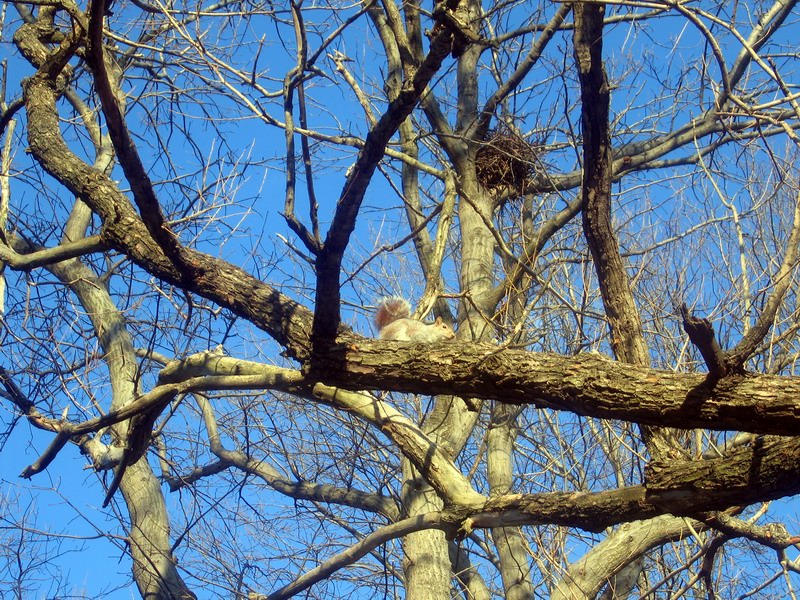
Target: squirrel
[{"x": 394, "y": 322}]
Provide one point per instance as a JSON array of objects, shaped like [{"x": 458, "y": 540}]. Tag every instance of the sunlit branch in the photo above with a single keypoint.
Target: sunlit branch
[
  {"x": 32, "y": 257},
  {"x": 362, "y": 548},
  {"x": 297, "y": 489}
]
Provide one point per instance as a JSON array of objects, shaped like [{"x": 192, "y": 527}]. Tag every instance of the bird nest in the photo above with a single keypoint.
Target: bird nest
[{"x": 505, "y": 160}]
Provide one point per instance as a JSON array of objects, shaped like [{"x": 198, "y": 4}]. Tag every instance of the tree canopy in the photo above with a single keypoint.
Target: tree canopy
[{"x": 203, "y": 203}]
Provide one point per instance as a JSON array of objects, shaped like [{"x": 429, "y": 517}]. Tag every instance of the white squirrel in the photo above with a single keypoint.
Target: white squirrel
[{"x": 394, "y": 322}]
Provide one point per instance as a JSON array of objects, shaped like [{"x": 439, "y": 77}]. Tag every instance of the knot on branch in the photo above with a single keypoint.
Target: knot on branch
[{"x": 701, "y": 334}]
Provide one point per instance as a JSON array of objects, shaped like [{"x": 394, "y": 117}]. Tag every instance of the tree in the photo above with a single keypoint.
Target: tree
[{"x": 602, "y": 197}]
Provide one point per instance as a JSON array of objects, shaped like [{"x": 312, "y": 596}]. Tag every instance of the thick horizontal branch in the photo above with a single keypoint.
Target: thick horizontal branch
[
  {"x": 587, "y": 384},
  {"x": 765, "y": 471}
]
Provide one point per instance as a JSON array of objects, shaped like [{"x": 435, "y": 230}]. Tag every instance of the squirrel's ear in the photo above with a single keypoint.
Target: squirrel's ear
[{"x": 439, "y": 320}]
